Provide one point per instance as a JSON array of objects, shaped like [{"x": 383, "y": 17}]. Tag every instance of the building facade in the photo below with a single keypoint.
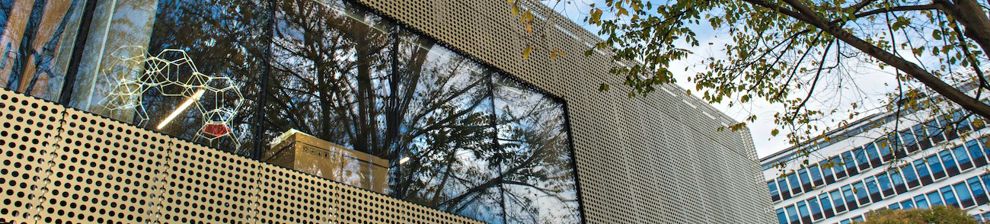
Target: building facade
[
  {"x": 883, "y": 161},
  {"x": 379, "y": 106}
]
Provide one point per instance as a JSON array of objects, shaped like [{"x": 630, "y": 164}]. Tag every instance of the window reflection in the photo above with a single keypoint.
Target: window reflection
[
  {"x": 36, "y": 44},
  {"x": 150, "y": 60},
  {"x": 371, "y": 104},
  {"x": 532, "y": 134}
]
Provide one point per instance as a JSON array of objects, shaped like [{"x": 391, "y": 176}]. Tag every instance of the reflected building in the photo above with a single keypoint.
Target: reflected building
[
  {"x": 426, "y": 102},
  {"x": 884, "y": 161}
]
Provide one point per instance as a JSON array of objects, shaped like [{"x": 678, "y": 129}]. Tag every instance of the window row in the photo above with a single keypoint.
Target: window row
[
  {"x": 965, "y": 194},
  {"x": 250, "y": 76},
  {"x": 872, "y": 155}
]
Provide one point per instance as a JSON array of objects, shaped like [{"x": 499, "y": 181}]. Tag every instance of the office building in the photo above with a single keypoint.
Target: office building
[
  {"x": 883, "y": 161},
  {"x": 337, "y": 111}
]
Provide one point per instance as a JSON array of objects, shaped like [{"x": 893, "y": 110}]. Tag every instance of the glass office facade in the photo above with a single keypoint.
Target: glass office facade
[
  {"x": 458, "y": 136},
  {"x": 932, "y": 168}
]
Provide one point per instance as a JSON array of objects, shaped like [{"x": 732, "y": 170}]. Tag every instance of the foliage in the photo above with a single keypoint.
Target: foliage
[
  {"x": 934, "y": 215},
  {"x": 789, "y": 52}
]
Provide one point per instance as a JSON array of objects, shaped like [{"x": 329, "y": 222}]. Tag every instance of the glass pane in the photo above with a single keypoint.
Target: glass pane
[
  {"x": 961, "y": 154},
  {"x": 826, "y": 201},
  {"x": 185, "y": 68},
  {"x": 535, "y": 153},
  {"x": 949, "y": 196},
  {"x": 963, "y": 192},
  {"x": 920, "y": 201},
  {"x": 781, "y": 216},
  {"x": 922, "y": 169},
  {"x": 37, "y": 43},
  {"x": 816, "y": 174}
]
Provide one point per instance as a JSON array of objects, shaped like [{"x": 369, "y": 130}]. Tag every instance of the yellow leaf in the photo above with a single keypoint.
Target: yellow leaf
[
  {"x": 526, "y": 52},
  {"x": 596, "y": 16}
]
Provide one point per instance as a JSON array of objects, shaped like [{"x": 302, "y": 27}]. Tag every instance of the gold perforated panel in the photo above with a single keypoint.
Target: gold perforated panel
[
  {"x": 61, "y": 165},
  {"x": 202, "y": 185},
  {"x": 26, "y": 136},
  {"x": 288, "y": 196},
  {"x": 103, "y": 171}
]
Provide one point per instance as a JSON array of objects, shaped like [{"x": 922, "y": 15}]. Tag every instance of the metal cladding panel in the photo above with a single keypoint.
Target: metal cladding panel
[
  {"x": 103, "y": 171},
  {"x": 202, "y": 185},
  {"x": 27, "y": 137},
  {"x": 640, "y": 160},
  {"x": 61, "y": 165}
]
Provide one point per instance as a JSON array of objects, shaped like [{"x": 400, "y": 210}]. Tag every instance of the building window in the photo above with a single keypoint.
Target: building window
[
  {"x": 938, "y": 171},
  {"x": 935, "y": 198},
  {"x": 781, "y": 216},
  {"x": 774, "y": 193},
  {"x": 976, "y": 153},
  {"x": 244, "y": 76},
  {"x": 965, "y": 197},
  {"x": 962, "y": 156},
  {"x": 920, "y": 201},
  {"x": 978, "y": 191}
]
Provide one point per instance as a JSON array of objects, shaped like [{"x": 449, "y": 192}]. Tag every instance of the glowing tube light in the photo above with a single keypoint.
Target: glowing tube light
[{"x": 182, "y": 107}]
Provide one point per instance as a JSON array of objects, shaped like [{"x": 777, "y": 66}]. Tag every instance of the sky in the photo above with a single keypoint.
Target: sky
[{"x": 870, "y": 80}]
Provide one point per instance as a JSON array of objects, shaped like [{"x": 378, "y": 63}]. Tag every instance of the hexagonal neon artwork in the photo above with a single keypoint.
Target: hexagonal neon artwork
[{"x": 172, "y": 73}]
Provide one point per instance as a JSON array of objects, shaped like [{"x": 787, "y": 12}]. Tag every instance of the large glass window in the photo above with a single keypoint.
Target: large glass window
[
  {"x": 827, "y": 174},
  {"x": 248, "y": 76},
  {"x": 922, "y": 137},
  {"x": 37, "y": 44},
  {"x": 861, "y": 160}
]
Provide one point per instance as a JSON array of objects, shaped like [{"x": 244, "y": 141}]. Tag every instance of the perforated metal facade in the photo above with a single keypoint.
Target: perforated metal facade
[
  {"x": 61, "y": 165},
  {"x": 653, "y": 159}
]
